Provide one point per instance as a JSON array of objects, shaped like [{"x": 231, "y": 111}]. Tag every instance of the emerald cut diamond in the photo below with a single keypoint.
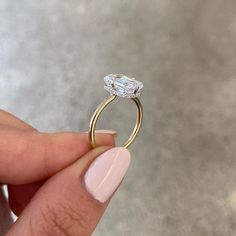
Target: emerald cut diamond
[{"x": 122, "y": 86}]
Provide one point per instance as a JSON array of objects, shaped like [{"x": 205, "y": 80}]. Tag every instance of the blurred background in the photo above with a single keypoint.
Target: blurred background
[{"x": 53, "y": 57}]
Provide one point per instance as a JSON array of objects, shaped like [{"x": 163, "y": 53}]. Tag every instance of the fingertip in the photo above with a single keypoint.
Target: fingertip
[
  {"x": 66, "y": 147},
  {"x": 103, "y": 137},
  {"x": 44, "y": 154},
  {"x": 81, "y": 139}
]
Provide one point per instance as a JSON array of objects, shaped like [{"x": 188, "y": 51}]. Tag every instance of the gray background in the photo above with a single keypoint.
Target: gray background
[{"x": 182, "y": 181}]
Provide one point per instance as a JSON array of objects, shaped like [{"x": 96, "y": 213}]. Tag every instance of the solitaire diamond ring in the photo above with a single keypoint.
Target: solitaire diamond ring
[{"x": 119, "y": 85}]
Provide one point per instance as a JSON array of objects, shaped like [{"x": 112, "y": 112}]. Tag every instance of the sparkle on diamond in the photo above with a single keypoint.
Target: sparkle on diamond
[{"x": 122, "y": 86}]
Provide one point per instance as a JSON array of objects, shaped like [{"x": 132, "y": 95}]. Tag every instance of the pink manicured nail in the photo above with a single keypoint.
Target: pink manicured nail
[
  {"x": 103, "y": 131},
  {"x": 106, "y": 173}
]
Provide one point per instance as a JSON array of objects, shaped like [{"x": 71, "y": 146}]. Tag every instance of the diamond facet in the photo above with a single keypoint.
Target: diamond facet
[{"x": 122, "y": 86}]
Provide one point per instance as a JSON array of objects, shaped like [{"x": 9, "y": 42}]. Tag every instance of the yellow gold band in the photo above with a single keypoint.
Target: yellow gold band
[{"x": 99, "y": 110}]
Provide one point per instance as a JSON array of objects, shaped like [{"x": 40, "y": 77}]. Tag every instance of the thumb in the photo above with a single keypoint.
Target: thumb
[{"x": 73, "y": 201}]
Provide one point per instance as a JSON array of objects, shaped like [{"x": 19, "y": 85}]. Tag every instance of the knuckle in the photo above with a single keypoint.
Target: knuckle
[{"x": 64, "y": 220}]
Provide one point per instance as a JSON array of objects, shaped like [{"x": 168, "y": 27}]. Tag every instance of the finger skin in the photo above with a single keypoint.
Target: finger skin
[
  {"x": 20, "y": 195},
  {"x": 62, "y": 206},
  {"x": 8, "y": 119},
  {"x": 43, "y": 154}
]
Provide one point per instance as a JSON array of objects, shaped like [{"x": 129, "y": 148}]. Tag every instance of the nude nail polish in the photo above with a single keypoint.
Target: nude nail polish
[
  {"x": 103, "y": 131},
  {"x": 106, "y": 173}
]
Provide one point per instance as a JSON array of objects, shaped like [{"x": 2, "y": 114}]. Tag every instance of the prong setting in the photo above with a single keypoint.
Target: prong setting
[{"x": 122, "y": 86}]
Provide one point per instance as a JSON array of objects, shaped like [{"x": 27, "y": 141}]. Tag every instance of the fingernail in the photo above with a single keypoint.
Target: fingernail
[
  {"x": 106, "y": 173},
  {"x": 103, "y": 131}
]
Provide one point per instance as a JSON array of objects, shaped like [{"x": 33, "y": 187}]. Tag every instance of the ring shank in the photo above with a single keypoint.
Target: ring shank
[{"x": 98, "y": 112}]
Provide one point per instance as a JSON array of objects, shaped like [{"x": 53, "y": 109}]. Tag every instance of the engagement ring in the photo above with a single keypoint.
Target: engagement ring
[{"x": 119, "y": 85}]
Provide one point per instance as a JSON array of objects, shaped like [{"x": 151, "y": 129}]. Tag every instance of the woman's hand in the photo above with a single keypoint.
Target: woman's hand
[{"x": 57, "y": 185}]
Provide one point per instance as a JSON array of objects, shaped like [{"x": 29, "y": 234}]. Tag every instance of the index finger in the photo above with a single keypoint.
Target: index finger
[
  {"x": 8, "y": 119},
  {"x": 29, "y": 156}
]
